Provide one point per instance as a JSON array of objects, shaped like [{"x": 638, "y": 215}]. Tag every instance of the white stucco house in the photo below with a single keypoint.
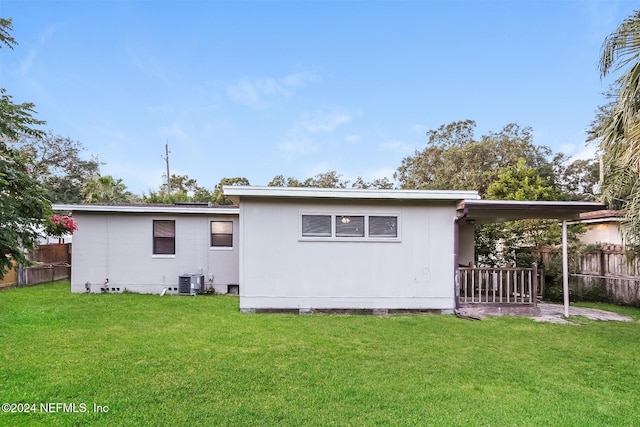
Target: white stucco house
[
  {"x": 298, "y": 249},
  {"x": 602, "y": 226},
  {"x": 146, "y": 248}
]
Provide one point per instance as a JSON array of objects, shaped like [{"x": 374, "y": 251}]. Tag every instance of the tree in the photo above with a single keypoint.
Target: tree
[
  {"x": 496, "y": 243},
  {"x": 520, "y": 182},
  {"x": 617, "y": 124},
  {"x": 380, "y": 184},
  {"x": 24, "y": 209},
  {"x": 183, "y": 189},
  {"x": 329, "y": 179},
  {"x": 104, "y": 189},
  {"x": 218, "y": 193},
  {"x": 578, "y": 180},
  {"x": 281, "y": 181},
  {"x": 58, "y": 166},
  {"x": 454, "y": 160}
]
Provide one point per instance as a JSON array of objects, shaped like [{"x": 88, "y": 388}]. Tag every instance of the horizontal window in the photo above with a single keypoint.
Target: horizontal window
[
  {"x": 349, "y": 227},
  {"x": 316, "y": 225},
  {"x": 383, "y": 226}
]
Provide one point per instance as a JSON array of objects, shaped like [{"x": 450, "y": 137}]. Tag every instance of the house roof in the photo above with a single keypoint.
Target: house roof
[
  {"x": 179, "y": 208},
  {"x": 605, "y": 214},
  {"x": 491, "y": 211},
  {"x": 235, "y": 192}
]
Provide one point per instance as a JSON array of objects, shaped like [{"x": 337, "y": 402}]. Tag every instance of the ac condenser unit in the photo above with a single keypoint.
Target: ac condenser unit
[{"x": 191, "y": 284}]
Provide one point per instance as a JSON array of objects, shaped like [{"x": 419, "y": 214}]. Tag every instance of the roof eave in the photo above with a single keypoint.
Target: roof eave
[{"x": 145, "y": 209}]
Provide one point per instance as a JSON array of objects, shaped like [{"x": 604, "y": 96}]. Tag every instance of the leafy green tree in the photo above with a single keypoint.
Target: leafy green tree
[
  {"x": 183, "y": 189},
  {"x": 617, "y": 125},
  {"x": 454, "y": 159},
  {"x": 281, "y": 181},
  {"x": 24, "y": 208},
  {"x": 497, "y": 244},
  {"x": 57, "y": 165},
  {"x": 218, "y": 194},
  {"x": 329, "y": 179},
  {"x": 577, "y": 180},
  {"x": 105, "y": 189},
  {"x": 380, "y": 184},
  {"x": 520, "y": 182}
]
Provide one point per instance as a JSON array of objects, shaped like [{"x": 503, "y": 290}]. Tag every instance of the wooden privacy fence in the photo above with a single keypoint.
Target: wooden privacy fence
[
  {"x": 48, "y": 273},
  {"x": 52, "y": 254},
  {"x": 499, "y": 285},
  {"x": 607, "y": 274},
  {"x": 55, "y": 264},
  {"x": 10, "y": 278}
]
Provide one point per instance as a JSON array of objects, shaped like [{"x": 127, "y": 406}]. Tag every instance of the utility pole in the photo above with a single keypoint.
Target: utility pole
[{"x": 166, "y": 159}]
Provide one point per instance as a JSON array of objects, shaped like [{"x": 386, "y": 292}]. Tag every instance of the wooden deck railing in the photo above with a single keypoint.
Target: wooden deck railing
[{"x": 499, "y": 285}]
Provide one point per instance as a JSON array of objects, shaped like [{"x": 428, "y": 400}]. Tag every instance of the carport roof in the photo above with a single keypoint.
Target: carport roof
[{"x": 491, "y": 211}]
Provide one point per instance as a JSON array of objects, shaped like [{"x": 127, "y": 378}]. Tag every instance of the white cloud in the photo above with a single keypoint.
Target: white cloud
[
  {"x": 325, "y": 120},
  {"x": 586, "y": 153},
  {"x": 27, "y": 62},
  {"x": 300, "y": 79},
  {"x": 256, "y": 92},
  {"x": 397, "y": 146},
  {"x": 301, "y": 136},
  {"x": 297, "y": 143}
]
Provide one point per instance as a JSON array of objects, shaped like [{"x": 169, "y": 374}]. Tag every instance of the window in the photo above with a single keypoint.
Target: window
[
  {"x": 349, "y": 227},
  {"x": 221, "y": 234},
  {"x": 383, "y": 226},
  {"x": 164, "y": 237},
  {"x": 316, "y": 225}
]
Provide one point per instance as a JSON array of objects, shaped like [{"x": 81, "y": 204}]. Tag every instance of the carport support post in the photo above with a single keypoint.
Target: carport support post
[{"x": 565, "y": 269}]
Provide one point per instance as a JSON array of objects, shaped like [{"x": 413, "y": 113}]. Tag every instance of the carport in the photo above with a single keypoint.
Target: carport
[{"x": 496, "y": 211}]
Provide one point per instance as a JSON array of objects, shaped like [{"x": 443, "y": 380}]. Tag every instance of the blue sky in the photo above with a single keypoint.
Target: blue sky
[{"x": 257, "y": 89}]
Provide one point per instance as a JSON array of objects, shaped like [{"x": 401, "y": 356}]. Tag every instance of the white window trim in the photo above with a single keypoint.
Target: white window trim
[
  {"x": 337, "y": 213},
  {"x": 175, "y": 242},
  {"x": 233, "y": 231},
  {"x": 221, "y": 248}
]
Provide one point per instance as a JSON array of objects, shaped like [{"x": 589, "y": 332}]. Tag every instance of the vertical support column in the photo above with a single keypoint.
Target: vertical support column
[
  {"x": 565, "y": 269},
  {"x": 534, "y": 284}
]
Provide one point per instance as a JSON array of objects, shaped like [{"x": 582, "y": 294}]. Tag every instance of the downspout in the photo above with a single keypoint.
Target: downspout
[{"x": 456, "y": 267}]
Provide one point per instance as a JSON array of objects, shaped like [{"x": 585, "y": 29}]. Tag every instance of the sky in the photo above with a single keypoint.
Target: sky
[{"x": 257, "y": 89}]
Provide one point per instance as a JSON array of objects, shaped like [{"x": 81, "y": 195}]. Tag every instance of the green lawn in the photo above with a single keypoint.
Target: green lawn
[{"x": 197, "y": 361}]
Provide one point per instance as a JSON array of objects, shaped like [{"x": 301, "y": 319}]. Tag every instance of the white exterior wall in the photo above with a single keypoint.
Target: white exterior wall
[
  {"x": 279, "y": 270},
  {"x": 605, "y": 232},
  {"x": 466, "y": 239},
  {"x": 119, "y": 246}
]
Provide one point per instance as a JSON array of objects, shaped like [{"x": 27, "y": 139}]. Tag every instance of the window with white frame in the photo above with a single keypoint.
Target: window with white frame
[
  {"x": 383, "y": 226},
  {"x": 164, "y": 237},
  {"x": 349, "y": 227},
  {"x": 221, "y": 234},
  {"x": 316, "y": 225}
]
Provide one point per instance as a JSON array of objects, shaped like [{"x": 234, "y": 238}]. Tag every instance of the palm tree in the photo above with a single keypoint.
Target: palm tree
[
  {"x": 617, "y": 125},
  {"x": 104, "y": 189}
]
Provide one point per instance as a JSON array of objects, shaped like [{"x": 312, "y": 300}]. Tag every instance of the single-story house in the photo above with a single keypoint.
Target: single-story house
[
  {"x": 601, "y": 226},
  {"x": 147, "y": 248},
  {"x": 299, "y": 249}
]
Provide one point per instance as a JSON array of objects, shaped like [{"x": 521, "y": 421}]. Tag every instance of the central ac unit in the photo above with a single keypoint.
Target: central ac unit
[{"x": 191, "y": 284}]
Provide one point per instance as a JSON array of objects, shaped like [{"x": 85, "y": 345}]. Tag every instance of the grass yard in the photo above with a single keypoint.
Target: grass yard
[{"x": 181, "y": 361}]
